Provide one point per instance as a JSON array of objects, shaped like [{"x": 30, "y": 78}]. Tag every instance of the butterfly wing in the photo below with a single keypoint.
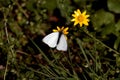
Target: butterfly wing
[
  {"x": 51, "y": 39},
  {"x": 62, "y": 44}
]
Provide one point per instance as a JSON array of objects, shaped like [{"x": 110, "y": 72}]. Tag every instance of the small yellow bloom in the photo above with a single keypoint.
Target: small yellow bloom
[
  {"x": 63, "y": 30},
  {"x": 80, "y": 18}
]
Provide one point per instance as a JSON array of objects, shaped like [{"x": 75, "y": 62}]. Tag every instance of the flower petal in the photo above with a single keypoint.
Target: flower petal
[
  {"x": 85, "y": 23},
  {"x": 78, "y": 11},
  {"x": 84, "y": 13},
  {"x": 87, "y": 16},
  {"x": 81, "y": 24},
  {"x": 73, "y": 19},
  {"x": 75, "y": 23},
  {"x": 58, "y": 28},
  {"x": 66, "y": 29},
  {"x": 73, "y": 15},
  {"x": 54, "y": 30}
]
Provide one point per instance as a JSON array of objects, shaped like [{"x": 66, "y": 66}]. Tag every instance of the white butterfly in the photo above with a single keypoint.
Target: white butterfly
[{"x": 57, "y": 40}]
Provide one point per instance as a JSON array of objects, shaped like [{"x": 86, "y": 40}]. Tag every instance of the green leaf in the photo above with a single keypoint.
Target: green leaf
[
  {"x": 50, "y": 4},
  {"x": 117, "y": 42},
  {"x": 117, "y": 26},
  {"x": 118, "y": 77},
  {"x": 71, "y": 79},
  {"x": 118, "y": 60},
  {"x": 114, "y": 5},
  {"x": 30, "y": 5},
  {"x": 101, "y": 17},
  {"x": 5, "y": 3},
  {"x": 117, "y": 29},
  {"x": 109, "y": 28}
]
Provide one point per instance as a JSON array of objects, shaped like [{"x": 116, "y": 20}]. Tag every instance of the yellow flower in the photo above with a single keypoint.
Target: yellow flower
[
  {"x": 63, "y": 30},
  {"x": 80, "y": 18}
]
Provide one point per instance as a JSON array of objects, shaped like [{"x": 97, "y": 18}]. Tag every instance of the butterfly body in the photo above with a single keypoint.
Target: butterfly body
[{"x": 56, "y": 39}]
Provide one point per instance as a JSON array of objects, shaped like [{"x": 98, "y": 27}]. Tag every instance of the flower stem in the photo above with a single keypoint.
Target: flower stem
[{"x": 86, "y": 31}]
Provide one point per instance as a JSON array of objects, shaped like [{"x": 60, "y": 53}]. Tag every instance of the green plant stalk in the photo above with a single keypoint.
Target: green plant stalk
[
  {"x": 48, "y": 71},
  {"x": 86, "y": 31},
  {"x": 36, "y": 71},
  {"x": 75, "y": 74},
  {"x": 7, "y": 55},
  {"x": 21, "y": 9},
  {"x": 5, "y": 73},
  {"x": 11, "y": 50},
  {"x": 62, "y": 64},
  {"x": 80, "y": 45},
  {"x": 46, "y": 58}
]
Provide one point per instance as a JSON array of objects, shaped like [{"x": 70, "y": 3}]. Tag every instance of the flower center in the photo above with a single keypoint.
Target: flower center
[{"x": 80, "y": 18}]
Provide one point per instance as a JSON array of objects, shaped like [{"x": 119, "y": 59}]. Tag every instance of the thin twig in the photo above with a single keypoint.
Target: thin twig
[
  {"x": 8, "y": 41},
  {"x": 5, "y": 24},
  {"x": 22, "y": 10}
]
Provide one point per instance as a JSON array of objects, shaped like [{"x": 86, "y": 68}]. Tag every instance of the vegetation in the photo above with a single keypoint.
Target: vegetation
[{"x": 93, "y": 47}]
